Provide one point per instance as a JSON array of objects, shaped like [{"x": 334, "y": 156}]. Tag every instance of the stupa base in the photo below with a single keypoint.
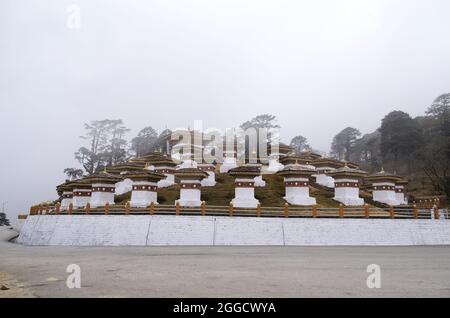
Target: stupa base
[
  {"x": 142, "y": 204},
  {"x": 99, "y": 204},
  {"x": 350, "y": 201},
  {"x": 189, "y": 203},
  {"x": 245, "y": 203},
  {"x": 305, "y": 201},
  {"x": 390, "y": 202}
]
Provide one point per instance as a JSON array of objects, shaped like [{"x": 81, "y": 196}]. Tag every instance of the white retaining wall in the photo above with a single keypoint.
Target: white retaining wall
[{"x": 132, "y": 230}]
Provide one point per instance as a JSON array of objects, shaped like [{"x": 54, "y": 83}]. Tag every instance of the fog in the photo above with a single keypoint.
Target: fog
[{"x": 319, "y": 66}]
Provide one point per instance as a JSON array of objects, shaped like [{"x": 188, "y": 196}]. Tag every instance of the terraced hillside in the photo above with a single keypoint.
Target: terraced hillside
[{"x": 271, "y": 195}]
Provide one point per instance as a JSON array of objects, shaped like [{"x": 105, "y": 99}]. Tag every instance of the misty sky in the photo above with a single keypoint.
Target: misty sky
[{"x": 319, "y": 66}]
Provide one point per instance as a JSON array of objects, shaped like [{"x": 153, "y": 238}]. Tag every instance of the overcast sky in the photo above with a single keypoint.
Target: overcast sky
[{"x": 319, "y": 66}]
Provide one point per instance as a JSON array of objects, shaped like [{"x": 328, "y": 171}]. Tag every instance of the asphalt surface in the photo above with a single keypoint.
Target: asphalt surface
[{"x": 224, "y": 271}]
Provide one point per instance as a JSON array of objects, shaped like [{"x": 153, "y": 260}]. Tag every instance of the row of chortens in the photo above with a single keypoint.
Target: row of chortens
[{"x": 142, "y": 176}]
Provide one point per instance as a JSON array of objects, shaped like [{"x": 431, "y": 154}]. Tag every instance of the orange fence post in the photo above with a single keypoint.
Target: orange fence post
[
  {"x": 391, "y": 212},
  {"x": 127, "y": 208},
  {"x": 366, "y": 211},
  {"x": 258, "y": 210},
  {"x": 57, "y": 207},
  {"x": 231, "y": 209},
  {"x": 87, "y": 209},
  {"x": 107, "y": 208},
  {"x": 177, "y": 208},
  {"x": 203, "y": 208},
  {"x": 341, "y": 210},
  {"x": 415, "y": 211},
  {"x": 438, "y": 202},
  {"x": 286, "y": 210},
  {"x": 314, "y": 211},
  {"x": 436, "y": 212},
  {"x": 152, "y": 208},
  {"x": 70, "y": 208}
]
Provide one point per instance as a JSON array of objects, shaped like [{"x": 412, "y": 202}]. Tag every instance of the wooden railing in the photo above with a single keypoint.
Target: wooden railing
[{"x": 286, "y": 211}]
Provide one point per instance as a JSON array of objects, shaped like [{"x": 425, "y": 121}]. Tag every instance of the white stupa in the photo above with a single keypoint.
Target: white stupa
[
  {"x": 296, "y": 181},
  {"x": 346, "y": 185},
  {"x": 81, "y": 193},
  {"x": 144, "y": 188},
  {"x": 103, "y": 188},
  {"x": 245, "y": 186},
  {"x": 323, "y": 167},
  {"x": 65, "y": 191},
  {"x": 209, "y": 168},
  {"x": 190, "y": 186},
  {"x": 400, "y": 191},
  {"x": 383, "y": 187}
]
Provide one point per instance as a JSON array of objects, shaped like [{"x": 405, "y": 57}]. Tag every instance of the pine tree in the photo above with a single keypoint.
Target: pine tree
[{"x": 3, "y": 219}]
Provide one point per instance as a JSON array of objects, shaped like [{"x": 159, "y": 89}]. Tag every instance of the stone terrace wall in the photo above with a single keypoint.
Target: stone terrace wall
[{"x": 156, "y": 230}]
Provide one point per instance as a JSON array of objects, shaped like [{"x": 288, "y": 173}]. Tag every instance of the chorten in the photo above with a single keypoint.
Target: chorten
[
  {"x": 323, "y": 167},
  {"x": 383, "y": 187},
  {"x": 209, "y": 168},
  {"x": 400, "y": 191},
  {"x": 346, "y": 185},
  {"x": 296, "y": 181},
  {"x": 165, "y": 166},
  {"x": 126, "y": 184},
  {"x": 103, "y": 188},
  {"x": 82, "y": 191},
  {"x": 144, "y": 188},
  {"x": 245, "y": 186},
  {"x": 190, "y": 186},
  {"x": 229, "y": 158},
  {"x": 294, "y": 159},
  {"x": 65, "y": 191},
  {"x": 187, "y": 156},
  {"x": 275, "y": 157},
  {"x": 310, "y": 156},
  {"x": 158, "y": 162},
  {"x": 124, "y": 168}
]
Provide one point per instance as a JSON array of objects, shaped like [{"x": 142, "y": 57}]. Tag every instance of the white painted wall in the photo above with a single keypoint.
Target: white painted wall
[{"x": 133, "y": 230}]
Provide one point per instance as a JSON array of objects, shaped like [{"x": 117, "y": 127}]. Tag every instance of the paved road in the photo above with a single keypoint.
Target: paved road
[{"x": 229, "y": 271}]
